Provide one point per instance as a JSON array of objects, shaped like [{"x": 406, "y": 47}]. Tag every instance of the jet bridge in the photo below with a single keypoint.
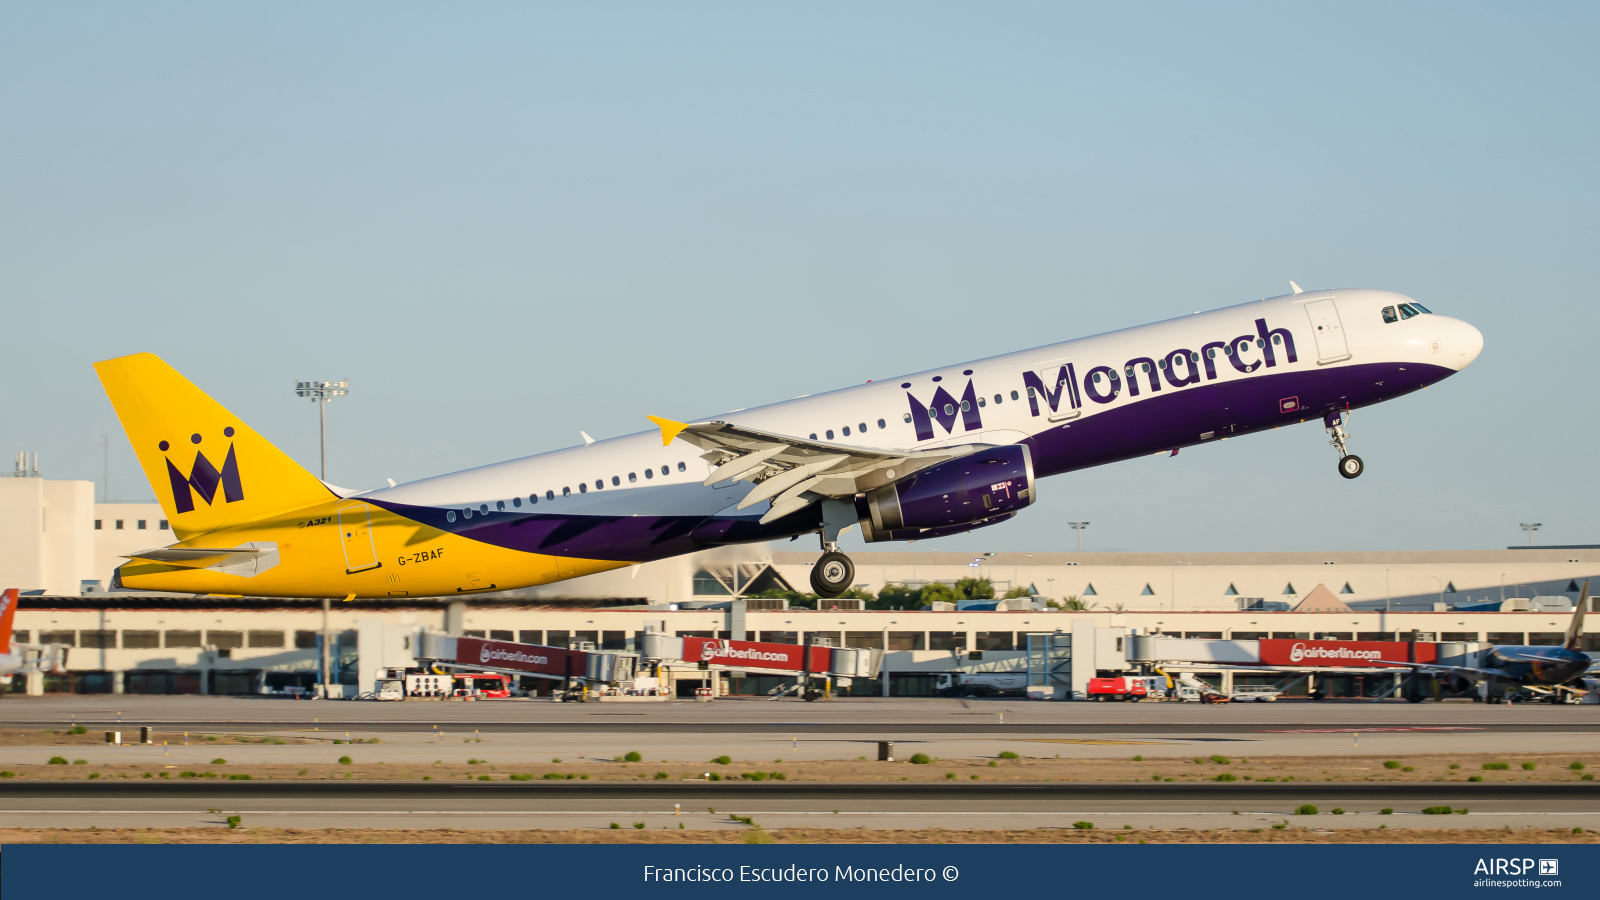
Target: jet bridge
[
  {"x": 613, "y": 667},
  {"x": 535, "y": 660},
  {"x": 765, "y": 657},
  {"x": 1293, "y": 655}
]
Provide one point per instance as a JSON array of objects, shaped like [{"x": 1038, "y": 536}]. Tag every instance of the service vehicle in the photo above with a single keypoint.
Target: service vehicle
[
  {"x": 981, "y": 684},
  {"x": 389, "y": 689},
  {"x": 1118, "y": 689},
  {"x": 1256, "y": 693},
  {"x": 482, "y": 685}
]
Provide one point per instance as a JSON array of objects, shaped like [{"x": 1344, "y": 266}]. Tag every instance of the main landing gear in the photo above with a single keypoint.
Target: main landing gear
[
  {"x": 1350, "y": 465},
  {"x": 833, "y": 574}
]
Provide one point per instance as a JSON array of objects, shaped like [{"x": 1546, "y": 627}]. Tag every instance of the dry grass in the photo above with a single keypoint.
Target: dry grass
[
  {"x": 1549, "y": 768},
  {"x": 96, "y": 736},
  {"x": 782, "y": 836}
]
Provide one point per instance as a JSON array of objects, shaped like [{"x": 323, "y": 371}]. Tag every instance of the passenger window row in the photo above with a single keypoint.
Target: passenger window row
[
  {"x": 966, "y": 406},
  {"x": 860, "y": 427},
  {"x": 583, "y": 488}
]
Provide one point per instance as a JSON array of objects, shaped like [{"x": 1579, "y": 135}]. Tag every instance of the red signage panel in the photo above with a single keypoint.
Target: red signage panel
[
  {"x": 755, "y": 654},
  {"x": 517, "y": 657},
  {"x": 1378, "y": 654}
]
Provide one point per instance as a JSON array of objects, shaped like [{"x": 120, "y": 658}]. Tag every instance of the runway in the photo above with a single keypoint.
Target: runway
[
  {"x": 853, "y": 716},
  {"x": 870, "y": 805},
  {"x": 885, "y": 730}
]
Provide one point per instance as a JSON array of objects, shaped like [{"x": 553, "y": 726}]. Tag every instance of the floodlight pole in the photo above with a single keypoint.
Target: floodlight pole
[
  {"x": 1530, "y": 528},
  {"x": 322, "y": 393},
  {"x": 1079, "y": 527}
]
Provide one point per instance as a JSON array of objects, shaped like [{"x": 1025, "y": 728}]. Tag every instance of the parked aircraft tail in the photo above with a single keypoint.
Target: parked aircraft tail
[
  {"x": 1575, "y": 628},
  {"x": 8, "y": 614},
  {"x": 209, "y": 469}
]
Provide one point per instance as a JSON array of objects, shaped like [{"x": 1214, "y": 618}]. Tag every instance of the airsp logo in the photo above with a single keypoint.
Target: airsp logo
[{"x": 1514, "y": 866}]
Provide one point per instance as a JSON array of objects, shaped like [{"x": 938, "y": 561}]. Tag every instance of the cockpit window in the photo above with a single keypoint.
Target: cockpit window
[
  {"x": 1389, "y": 315},
  {"x": 1421, "y": 308},
  {"x": 1407, "y": 311}
]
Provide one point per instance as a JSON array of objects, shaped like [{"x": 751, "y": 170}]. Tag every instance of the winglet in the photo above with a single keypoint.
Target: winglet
[
  {"x": 669, "y": 428},
  {"x": 1296, "y": 288}
]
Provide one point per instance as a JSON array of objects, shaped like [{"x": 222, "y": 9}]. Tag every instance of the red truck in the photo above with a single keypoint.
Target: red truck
[
  {"x": 1117, "y": 688},
  {"x": 482, "y": 685}
]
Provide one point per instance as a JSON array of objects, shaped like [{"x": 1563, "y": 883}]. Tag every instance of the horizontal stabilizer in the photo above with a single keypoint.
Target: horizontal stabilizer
[{"x": 201, "y": 557}]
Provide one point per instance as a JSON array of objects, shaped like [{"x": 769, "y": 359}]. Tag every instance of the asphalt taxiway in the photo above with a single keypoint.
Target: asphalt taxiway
[{"x": 875, "y": 805}]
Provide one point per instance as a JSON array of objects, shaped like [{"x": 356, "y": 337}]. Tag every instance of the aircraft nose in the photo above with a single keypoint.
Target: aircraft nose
[{"x": 1465, "y": 345}]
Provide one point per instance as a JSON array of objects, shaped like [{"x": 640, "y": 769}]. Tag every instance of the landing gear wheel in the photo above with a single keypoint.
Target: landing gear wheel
[
  {"x": 832, "y": 575},
  {"x": 1351, "y": 466}
]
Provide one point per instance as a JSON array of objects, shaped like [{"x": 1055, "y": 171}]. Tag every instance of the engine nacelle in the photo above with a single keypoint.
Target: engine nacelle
[{"x": 981, "y": 488}]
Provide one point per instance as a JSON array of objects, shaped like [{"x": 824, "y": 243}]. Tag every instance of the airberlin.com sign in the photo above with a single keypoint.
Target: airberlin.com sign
[
  {"x": 506, "y": 655},
  {"x": 753, "y": 654},
  {"x": 1378, "y": 654}
]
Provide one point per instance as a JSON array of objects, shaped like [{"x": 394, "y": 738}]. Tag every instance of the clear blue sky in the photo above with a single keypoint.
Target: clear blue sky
[{"x": 506, "y": 223}]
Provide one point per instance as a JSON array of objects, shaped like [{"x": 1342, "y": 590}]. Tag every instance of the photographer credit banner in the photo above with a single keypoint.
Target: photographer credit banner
[{"x": 758, "y": 872}]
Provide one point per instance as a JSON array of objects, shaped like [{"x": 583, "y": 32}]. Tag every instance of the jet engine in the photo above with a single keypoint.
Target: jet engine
[{"x": 982, "y": 488}]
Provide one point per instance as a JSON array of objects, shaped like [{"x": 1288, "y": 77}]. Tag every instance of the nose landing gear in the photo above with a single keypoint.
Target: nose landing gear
[{"x": 1350, "y": 465}]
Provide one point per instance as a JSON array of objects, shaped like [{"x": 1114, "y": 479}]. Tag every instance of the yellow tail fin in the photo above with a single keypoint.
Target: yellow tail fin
[{"x": 208, "y": 469}]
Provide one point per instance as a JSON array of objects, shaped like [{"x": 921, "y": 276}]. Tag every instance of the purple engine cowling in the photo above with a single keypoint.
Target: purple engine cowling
[{"x": 981, "y": 488}]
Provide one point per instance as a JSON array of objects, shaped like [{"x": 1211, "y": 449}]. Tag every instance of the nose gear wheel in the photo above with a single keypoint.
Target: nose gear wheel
[{"x": 1350, "y": 465}]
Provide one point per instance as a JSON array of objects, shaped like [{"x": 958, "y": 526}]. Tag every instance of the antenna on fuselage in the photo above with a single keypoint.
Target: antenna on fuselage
[
  {"x": 586, "y": 439},
  {"x": 1296, "y": 288}
]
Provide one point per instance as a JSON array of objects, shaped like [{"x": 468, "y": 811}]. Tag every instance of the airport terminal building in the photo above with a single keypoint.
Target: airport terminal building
[{"x": 60, "y": 548}]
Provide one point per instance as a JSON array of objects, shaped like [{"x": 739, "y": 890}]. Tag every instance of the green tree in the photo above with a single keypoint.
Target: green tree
[
  {"x": 1018, "y": 592},
  {"x": 896, "y": 596},
  {"x": 796, "y": 599},
  {"x": 974, "y": 589}
]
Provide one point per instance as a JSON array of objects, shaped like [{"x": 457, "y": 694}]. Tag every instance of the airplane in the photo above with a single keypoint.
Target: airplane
[
  {"x": 9, "y": 660},
  {"x": 939, "y": 452},
  {"x": 21, "y": 659},
  {"x": 1508, "y": 668}
]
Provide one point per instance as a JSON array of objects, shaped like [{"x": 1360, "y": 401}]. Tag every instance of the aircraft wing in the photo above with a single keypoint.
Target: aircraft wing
[
  {"x": 1343, "y": 670},
  {"x": 1464, "y": 671},
  {"x": 785, "y": 468}
]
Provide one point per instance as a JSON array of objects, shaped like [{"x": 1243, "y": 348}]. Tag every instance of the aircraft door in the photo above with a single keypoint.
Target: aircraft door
[
  {"x": 1057, "y": 378},
  {"x": 355, "y": 530},
  {"x": 1328, "y": 331}
]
